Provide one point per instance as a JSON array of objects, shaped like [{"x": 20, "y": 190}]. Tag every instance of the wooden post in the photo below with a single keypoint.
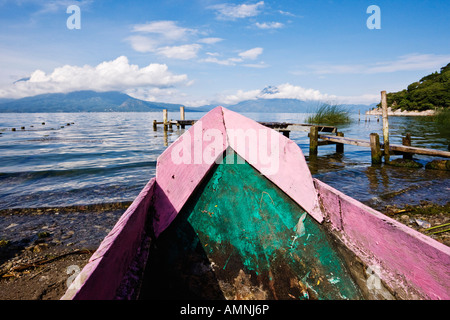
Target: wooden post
[
  {"x": 166, "y": 139},
  {"x": 170, "y": 125},
  {"x": 155, "y": 126},
  {"x": 182, "y": 113},
  {"x": 406, "y": 141},
  {"x": 313, "y": 140},
  {"x": 165, "y": 117},
  {"x": 375, "y": 149},
  {"x": 385, "y": 126},
  {"x": 340, "y": 146}
]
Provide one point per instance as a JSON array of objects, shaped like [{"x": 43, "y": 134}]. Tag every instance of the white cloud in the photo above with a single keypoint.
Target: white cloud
[
  {"x": 183, "y": 52},
  {"x": 210, "y": 40},
  {"x": 143, "y": 44},
  {"x": 289, "y": 91},
  {"x": 231, "y": 11},
  {"x": 164, "y": 38},
  {"x": 155, "y": 94},
  {"x": 282, "y": 91},
  {"x": 117, "y": 74},
  {"x": 260, "y": 65},
  {"x": 269, "y": 25},
  {"x": 224, "y": 62},
  {"x": 286, "y": 13},
  {"x": 239, "y": 96},
  {"x": 169, "y": 30},
  {"x": 410, "y": 62},
  {"x": 251, "y": 54}
]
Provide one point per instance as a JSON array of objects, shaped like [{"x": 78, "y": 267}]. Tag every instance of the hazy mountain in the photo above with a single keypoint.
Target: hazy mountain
[
  {"x": 85, "y": 101},
  {"x": 274, "y": 105},
  {"x": 284, "y": 106},
  {"x": 113, "y": 101},
  {"x": 3, "y": 100}
]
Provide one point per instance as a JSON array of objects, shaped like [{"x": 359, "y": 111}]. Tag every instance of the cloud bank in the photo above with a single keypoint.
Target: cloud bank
[
  {"x": 290, "y": 91},
  {"x": 282, "y": 91},
  {"x": 168, "y": 39},
  {"x": 117, "y": 74}
]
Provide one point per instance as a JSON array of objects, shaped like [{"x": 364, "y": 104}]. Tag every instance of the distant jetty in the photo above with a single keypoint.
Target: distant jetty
[{"x": 399, "y": 112}]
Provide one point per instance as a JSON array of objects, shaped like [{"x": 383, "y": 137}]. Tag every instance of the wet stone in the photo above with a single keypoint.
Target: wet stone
[
  {"x": 438, "y": 165},
  {"x": 408, "y": 163}
]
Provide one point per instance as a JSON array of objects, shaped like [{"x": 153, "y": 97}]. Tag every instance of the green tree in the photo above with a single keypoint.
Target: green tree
[{"x": 432, "y": 91}]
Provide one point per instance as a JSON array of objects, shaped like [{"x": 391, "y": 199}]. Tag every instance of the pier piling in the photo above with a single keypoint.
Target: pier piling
[
  {"x": 339, "y": 146},
  {"x": 406, "y": 141},
  {"x": 165, "y": 117},
  {"x": 385, "y": 126},
  {"x": 375, "y": 148},
  {"x": 313, "y": 140}
]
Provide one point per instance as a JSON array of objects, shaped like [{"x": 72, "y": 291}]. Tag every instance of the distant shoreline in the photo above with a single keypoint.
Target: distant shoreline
[{"x": 399, "y": 112}]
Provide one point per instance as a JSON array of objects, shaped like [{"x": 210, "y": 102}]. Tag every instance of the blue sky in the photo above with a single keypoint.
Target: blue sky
[{"x": 221, "y": 52}]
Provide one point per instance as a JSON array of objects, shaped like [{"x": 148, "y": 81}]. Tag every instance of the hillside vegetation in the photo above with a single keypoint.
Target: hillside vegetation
[{"x": 430, "y": 92}]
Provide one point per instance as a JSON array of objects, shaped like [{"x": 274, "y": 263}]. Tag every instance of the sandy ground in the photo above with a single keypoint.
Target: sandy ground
[
  {"x": 42, "y": 249},
  {"x": 43, "y": 254},
  {"x": 398, "y": 112},
  {"x": 46, "y": 281}
]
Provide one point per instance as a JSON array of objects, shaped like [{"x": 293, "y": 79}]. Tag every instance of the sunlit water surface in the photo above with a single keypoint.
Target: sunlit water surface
[{"x": 109, "y": 157}]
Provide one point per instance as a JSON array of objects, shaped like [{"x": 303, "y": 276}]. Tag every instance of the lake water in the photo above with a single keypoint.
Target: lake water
[{"x": 109, "y": 157}]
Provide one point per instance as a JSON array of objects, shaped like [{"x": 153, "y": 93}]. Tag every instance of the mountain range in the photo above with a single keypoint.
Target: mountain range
[
  {"x": 113, "y": 101},
  {"x": 85, "y": 101}
]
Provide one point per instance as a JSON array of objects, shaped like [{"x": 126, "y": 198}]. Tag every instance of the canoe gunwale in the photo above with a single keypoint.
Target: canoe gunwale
[
  {"x": 102, "y": 275},
  {"x": 413, "y": 265}
]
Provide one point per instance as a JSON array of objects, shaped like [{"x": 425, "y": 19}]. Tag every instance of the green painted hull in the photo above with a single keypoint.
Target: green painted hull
[{"x": 240, "y": 237}]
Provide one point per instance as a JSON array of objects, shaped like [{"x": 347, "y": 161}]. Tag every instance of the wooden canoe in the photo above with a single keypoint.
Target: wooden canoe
[{"x": 220, "y": 222}]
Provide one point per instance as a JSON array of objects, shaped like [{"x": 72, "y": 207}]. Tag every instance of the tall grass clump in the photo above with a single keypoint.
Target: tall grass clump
[
  {"x": 331, "y": 114},
  {"x": 442, "y": 117},
  {"x": 442, "y": 123}
]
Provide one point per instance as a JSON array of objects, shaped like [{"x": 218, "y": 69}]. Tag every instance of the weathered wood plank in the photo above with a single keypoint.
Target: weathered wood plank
[
  {"x": 393, "y": 148},
  {"x": 297, "y": 127},
  {"x": 415, "y": 150},
  {"x": 325, "y": 143},
  {"x": 344, "y": 140},
  {"x": 186, "y": 122}
]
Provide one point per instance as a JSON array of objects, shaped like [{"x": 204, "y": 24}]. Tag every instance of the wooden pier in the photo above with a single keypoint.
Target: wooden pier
[
  {"x": 378, "y": 150},
  {"x": 320, "y": 135},
  {"x": 374, "y": 144},
  {"x": 282, "y": 127},
  {"x": 168, "y": 124}
]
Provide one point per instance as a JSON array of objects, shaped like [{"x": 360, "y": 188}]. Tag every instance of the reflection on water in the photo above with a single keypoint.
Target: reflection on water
[{"x": 109, "y": 157}]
